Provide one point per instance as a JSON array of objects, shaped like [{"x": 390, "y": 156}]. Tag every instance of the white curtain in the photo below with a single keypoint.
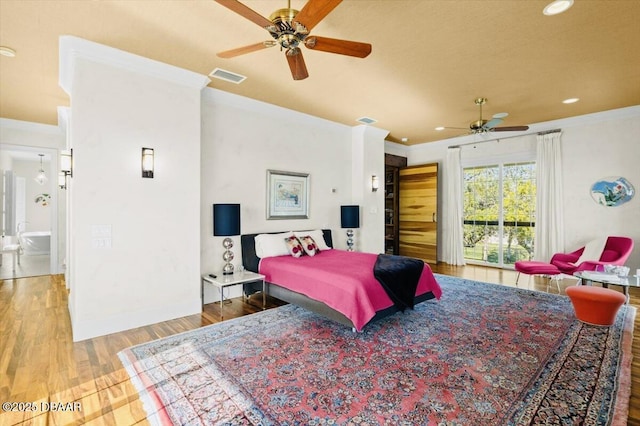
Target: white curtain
[
  {"x": 452, "y": 244},
  {"x": 549, "y": 230}
]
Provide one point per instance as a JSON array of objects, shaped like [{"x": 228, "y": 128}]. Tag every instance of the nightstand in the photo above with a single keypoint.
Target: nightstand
[{"x": 221, "y": 281}]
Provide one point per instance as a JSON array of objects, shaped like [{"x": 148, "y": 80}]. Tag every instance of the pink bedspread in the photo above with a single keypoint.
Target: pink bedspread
[{"x": 342, "y": 280}]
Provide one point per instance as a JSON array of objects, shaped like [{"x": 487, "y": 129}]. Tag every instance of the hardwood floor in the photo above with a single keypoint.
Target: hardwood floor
[{"x": 40, "y": 365}]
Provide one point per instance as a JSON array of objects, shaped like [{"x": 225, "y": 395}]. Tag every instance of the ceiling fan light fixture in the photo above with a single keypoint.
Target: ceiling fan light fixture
[
  {"x": 557, "y": 6},
  {"x": 287, "y": 33},
  {"x": 284, "y": 15},
  {"x": 290, "y": 28},
  {"x": 571, "y": 101}
]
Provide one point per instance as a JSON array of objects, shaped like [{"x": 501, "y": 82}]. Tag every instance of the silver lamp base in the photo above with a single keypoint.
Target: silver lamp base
[
  {"x": 227, "y": 256},
  {"x": 350, "y": 240}
]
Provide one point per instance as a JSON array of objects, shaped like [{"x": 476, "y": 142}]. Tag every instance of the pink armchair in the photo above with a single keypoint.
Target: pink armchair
[{"x": 616, "y": 252}]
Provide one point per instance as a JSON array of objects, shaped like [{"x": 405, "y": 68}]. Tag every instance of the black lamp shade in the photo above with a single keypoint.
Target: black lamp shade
[
  {"x": 226, "y": 220},
  {"x": 350, "y": 216}
]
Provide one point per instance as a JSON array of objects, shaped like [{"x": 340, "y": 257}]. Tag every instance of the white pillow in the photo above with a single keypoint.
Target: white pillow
[
  {"x": 317, "y": 236},
  {"x": 271, "y": 245}
]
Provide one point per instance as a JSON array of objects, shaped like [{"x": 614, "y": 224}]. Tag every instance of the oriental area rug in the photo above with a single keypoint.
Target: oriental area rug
[{"x": 484, "y": 354}]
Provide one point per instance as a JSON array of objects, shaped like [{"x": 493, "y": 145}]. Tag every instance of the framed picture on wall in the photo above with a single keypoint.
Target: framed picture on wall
[{"x": 287, "y": 195}]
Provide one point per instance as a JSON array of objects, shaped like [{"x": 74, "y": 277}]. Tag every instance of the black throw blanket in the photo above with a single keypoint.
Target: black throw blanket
[{"x": 399, "y": 277}]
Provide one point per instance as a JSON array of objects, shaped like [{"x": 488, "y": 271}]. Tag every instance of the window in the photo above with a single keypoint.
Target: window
[{"x": 499, "y": 213}]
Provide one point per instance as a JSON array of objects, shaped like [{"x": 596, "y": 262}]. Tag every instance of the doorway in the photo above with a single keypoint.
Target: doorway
[
  {"x": 29, "y": 210},
  {"x": 499, "y": 213},
  {"x": 418, "y": 190}
]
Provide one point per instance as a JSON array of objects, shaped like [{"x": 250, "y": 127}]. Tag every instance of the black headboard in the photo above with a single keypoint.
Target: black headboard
[{"x": 250, "y": 260}]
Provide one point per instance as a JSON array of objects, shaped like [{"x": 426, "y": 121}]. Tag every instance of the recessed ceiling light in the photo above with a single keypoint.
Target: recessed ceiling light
[
  {"x": 7, "y": 51},
  {"x": 405, "y": 139},
  {"x": 557, "y": 6},
  {"x": 439, "y": 128},
  {"x": 571, "y": 101}
]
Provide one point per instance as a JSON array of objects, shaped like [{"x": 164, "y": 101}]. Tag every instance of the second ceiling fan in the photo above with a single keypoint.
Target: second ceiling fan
[
  {"x": 483, "y": 126},
  {"x": 290, "y": 28}
]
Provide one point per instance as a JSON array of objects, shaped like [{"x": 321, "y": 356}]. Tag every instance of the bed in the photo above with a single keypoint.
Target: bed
[{"x": 284, "y": 272}]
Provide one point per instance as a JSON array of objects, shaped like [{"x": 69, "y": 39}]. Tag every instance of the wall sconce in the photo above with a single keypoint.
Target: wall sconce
[
  {"x": 147, "y": 162},
  {"x": 375, "y": 183},
  {"x": 62, "y": 180},
  {"x": 66, "y": 168},
  {"x": 66, "y": 162}
]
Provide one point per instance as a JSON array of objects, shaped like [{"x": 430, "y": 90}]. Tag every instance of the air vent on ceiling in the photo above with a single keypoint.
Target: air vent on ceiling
[
  {"x": 227, "y": 76},
  {"x": 366, "y": 120}
]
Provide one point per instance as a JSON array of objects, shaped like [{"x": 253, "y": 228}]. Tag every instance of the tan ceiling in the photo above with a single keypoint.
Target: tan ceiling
[{"x": 430, "y": 58}]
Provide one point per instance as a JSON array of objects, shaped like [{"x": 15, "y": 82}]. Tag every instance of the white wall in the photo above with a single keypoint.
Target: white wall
[
  {"x": 368, "y": 160},
  {"x": 242, "y": 139},
  {"x": 594, "y": 146},
  {"x": 134, "y": 245},
  {"x": 591, "y": 151}
]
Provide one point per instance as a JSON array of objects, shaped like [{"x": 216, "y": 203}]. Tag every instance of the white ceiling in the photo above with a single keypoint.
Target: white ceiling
[{"x": 430, "y": 58}]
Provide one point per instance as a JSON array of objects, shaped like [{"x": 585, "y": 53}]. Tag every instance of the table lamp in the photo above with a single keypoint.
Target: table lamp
[
  {"x": 226, "y": 223},
  {"x": 350, "y": 218}
]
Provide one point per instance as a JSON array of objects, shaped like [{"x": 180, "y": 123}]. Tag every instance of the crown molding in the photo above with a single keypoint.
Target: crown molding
[
  {"x": 49, "y": 129},
  {"x": 564, "y": 123},
  {"x": 213, "y": 96},
  {"x": 73, "y": 48},
  {"x": 371, "y": 131}
]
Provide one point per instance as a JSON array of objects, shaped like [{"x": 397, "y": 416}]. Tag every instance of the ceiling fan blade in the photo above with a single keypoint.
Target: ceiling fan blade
[
  {"x": 492, "y": 123},
  {"x": 315, "y": 11},
  {"x": 296, "y": 64},
  {"x": 510, "y": 129},
  {"x": 245, "y": 49},
  {"x": 246, "y": 12},
  {"x": 342, "y": 47}
]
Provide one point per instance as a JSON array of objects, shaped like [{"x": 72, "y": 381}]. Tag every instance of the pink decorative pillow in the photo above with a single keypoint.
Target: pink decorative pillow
[
  {"x": 294, "y": 246},
  {"x": 309, "y": 245}
]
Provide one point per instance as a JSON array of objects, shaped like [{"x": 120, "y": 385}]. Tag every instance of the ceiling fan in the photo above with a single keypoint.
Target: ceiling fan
[
  {"x": 483, "y": 126},
  {"x": 290, "y": 29}
]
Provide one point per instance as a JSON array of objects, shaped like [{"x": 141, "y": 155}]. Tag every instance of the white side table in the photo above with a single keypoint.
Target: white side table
[{"x": 221, "y": 281}]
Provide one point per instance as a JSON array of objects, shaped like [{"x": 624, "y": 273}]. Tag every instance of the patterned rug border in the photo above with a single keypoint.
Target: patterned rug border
[{"x": 151, "y": 401}]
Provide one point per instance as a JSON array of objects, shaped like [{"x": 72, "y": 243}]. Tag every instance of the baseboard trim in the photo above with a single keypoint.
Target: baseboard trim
[{"x": 88, "y": 329}]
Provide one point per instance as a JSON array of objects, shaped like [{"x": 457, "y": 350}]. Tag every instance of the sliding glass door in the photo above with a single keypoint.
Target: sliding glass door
[{"x": 499, "y": 213}]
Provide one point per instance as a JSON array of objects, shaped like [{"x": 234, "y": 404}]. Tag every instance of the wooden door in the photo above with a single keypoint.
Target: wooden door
[{"x": 418, "y": 212}]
